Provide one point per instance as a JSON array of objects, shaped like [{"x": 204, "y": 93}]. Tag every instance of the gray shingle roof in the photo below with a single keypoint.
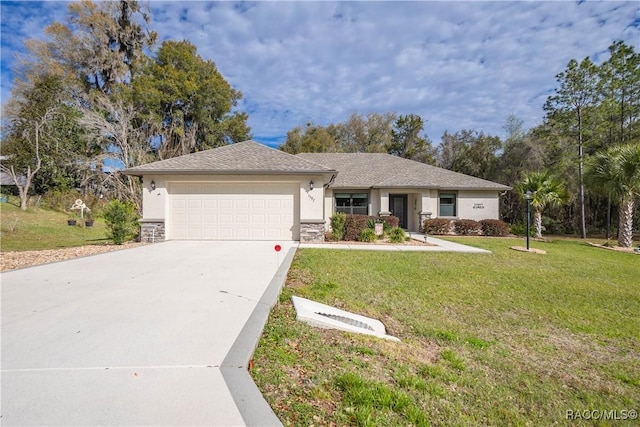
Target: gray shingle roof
[
  {"x": 248, "y": 157},
  {"x": 377, "y": 170}
]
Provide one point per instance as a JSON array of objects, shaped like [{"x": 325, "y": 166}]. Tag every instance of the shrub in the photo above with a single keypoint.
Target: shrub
[
  {"x": 354, "y": 225},
  {"x": 372, "y": 221},
  {"x": 466, "y": 227},
  {"x": 390, "y": 222},
  {"x": 121, "y": 220},
  {"x": 494, "y": 228},
  {"x": 553, "y": 226},
  {"x": 368, "y": 235},
  {"x": 397, "y": 235},
  {"x": 338, "y": 221},
  {"x": 63, "y": 200},
  {"x": 521, "y": 229},
  {"x": 59, "y": 200},
  {"x": 437, "y": 226}
]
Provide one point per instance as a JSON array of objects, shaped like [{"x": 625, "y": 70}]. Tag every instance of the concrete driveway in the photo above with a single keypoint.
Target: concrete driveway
[{"x": 139, "y": 336}]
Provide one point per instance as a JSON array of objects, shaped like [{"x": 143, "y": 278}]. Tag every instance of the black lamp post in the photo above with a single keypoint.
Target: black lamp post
[{"x": 528, "y": 196}]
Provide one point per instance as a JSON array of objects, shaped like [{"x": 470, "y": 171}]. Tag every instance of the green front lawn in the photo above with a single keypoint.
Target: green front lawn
[
  {"x": 37, "y": 229},
  {"x": 508, "y": 338}
]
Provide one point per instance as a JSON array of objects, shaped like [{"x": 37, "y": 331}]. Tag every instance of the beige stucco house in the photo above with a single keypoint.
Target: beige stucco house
[{"x": 247, "y": 191}]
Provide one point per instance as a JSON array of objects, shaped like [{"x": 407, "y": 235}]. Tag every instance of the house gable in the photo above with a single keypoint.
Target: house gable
[{"x": 248, "y": 157}]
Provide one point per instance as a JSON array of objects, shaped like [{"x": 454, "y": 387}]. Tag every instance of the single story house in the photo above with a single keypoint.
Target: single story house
[{"x": 247, "y": 191}]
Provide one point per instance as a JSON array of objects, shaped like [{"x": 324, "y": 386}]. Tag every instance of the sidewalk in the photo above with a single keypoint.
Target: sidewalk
[{"x": 440, "y": 246}]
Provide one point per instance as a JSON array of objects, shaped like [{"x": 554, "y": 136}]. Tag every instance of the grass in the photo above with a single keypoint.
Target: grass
[
  {"x": 37, "y": 229},
  {"x": 508, "y": 338}
]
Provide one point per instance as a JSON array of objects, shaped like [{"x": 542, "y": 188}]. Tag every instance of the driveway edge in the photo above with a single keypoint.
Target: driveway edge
[{"x": 253, "y": 407}]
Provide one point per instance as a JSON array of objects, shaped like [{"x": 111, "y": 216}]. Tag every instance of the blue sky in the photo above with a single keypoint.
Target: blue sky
[{"x": 459, "y": 65}]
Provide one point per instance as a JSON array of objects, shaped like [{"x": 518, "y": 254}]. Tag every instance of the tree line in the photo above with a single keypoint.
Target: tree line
[{"x": 100, "y": 94}]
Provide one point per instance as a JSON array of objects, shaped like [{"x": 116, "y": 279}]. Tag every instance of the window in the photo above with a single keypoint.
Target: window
[
  {"x": 352, "y": 203},
  {"x": 448, "y": 204}
]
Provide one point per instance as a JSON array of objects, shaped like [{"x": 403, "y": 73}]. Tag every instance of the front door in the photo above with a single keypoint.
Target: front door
[{"x": 398, "y": 207}]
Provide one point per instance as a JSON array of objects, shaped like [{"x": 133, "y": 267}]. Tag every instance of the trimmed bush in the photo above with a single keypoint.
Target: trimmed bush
[
  {"x": 397, "y": 235},
  {"x": 466, "y": 227},
  {"x": 390, "y": 221},
  {"x": 121, "y": 220},
  {"x": 368, "y": 235},
  {"x": 494, "y": 228},
  {"x": 354, "y": 225},
  {"x": 437, "y": 226},
  {"x": 338, "y": 221}
]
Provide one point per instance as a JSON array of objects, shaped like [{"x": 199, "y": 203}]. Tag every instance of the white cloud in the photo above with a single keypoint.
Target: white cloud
[{"x": 457, "y": 64}]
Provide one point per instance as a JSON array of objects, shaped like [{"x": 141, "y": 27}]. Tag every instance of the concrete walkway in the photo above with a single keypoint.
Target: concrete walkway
[
  {"x": 156, "y": 335},
  {"x": 440, "y": 246}
]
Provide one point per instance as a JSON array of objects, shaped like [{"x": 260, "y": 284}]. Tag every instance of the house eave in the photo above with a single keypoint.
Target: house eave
[
  {"x": 225, "y": 172},
  {"x": 421, "y": 187},
  {"x": 500, "y": 189}
]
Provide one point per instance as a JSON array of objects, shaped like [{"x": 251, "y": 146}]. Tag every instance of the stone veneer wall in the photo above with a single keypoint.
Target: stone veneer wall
[
  {"x": 312, "y": 232},
  {"x": 152, "y": 231},
  {"x": 423, "y": 216}
]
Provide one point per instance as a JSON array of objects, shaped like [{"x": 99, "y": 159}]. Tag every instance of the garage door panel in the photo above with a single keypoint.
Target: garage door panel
[
  {"x": 258, "y": 204},
  {"x": 226, "y": 234},
  {"x": 225, "y": 220},
  {"x": 259, "y": 219},
  {"x": 179, "y": 203},
  {"x": 210, "y": 219},
  {"x": 274, "y": 204},
  {"x": 273, "y": 233},
  {"x": 242, "y": 233},
  {"x": 211, "y": 204},
  {"x": 225, "y": 203},
  {"x": 243, "y": 204},
  {"x": 242, "y": 219},
  {"x": 258, "y": 234},
  {"x": 194, "y": 219}
]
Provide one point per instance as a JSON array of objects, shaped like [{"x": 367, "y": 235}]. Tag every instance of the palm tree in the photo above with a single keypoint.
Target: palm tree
[
  {"x": 616, "y": 171},
  {"x": 546, "y": 191}
]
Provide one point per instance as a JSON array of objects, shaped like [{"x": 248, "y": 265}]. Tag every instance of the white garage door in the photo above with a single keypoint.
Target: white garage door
[{"x": 233, "y": 211}]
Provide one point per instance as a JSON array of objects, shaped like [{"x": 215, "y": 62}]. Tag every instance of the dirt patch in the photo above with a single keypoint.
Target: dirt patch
[
  {"x": 531, "y": 250},
  {"x": 615, "y": 248},
  {"x": 23, "y": 259}
]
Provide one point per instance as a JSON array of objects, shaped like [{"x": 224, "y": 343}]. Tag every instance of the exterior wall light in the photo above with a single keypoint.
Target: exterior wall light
[
  {"x": 153, "y": 185},
  {"x": 310, "y": 185}
]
